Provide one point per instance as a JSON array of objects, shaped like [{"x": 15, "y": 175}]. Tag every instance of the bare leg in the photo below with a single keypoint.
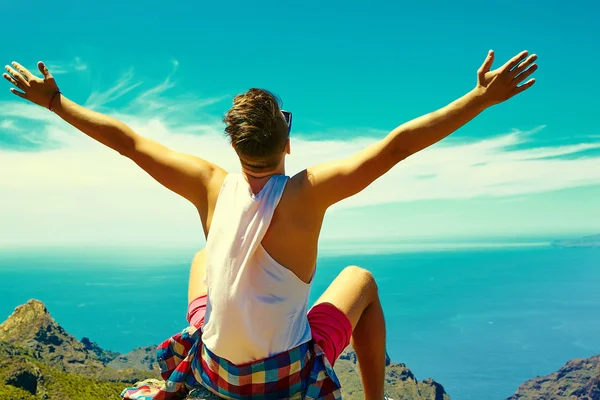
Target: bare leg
[
  {"x": 355, "y": 293},
  {"x": 196, "y": 287}
]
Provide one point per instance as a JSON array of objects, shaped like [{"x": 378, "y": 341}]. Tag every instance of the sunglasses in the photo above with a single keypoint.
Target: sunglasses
[{"x": 288, "y": 120}]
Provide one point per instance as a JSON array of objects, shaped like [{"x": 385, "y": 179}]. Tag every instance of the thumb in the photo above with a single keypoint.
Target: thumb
[
  {"x": 44, "y": 70},
  {"x": 487, "y": 64}
]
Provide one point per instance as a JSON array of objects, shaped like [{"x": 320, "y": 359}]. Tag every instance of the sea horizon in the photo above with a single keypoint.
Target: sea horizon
[{"x": 328, "y": 246}]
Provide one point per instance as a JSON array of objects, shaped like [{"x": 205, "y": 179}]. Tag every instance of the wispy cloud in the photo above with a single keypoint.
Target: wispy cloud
[
  {"x": 90, "y": 191},
  {"x": 56, "y": 69},
  {"x": 25, "y": 112},
  {"x": 102, "y": 98},
  {"x": 8, "y": 124},
  {"x": 61, "y": 68},
  {"x": 149, "y": 97},
  {"x": 154, "y": 102},
  {"x": 25, "y": 127},
  {"x": 79, "y": 65}
]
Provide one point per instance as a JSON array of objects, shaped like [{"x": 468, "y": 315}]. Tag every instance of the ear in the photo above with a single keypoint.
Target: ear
[{"x": 288, "y": 147}]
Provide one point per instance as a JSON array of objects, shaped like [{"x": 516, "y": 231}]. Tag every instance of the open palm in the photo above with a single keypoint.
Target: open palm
[
  {"x": 504, "y": 82},
  {"x": 40, "y": 91}
]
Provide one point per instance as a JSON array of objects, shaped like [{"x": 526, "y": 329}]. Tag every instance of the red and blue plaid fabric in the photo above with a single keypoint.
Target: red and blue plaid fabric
[{"x": 185, "y": 363}]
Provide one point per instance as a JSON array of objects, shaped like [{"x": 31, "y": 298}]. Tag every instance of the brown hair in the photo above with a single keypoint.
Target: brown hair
[{"x": 257, "y": 129}]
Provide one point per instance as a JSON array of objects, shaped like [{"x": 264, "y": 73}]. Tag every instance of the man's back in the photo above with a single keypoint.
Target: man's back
[
  {"x": 256, "y": 308},
  {"x": 292, "y": 237}
]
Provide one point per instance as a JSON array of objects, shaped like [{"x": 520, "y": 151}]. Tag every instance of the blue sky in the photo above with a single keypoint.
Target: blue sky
[{"x": 350, "y": 72}]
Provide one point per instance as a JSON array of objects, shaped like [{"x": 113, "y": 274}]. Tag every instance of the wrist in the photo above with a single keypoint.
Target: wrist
[
  {"x": 54, "y": 101},
  {"x": 478, "y": 96}
]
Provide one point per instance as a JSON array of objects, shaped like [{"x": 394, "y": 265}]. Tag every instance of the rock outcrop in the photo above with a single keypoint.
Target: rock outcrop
[
  {"x": 142, "y": 358},
  {"x": 31, "y": 327},
  {"x": 578, "y": 379},
  {"x": 400, "y": 382},
  {"x": 39, "y": 359},
  {"x": 104, "y": 356}
]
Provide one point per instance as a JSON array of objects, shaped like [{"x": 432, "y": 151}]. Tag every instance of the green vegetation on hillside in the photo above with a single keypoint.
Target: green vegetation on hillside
[{"x": 24, "y": 377}]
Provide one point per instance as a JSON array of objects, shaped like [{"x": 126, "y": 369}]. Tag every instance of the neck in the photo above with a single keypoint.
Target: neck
[
  {"x": 250, "y": 173},
  {"x": 261, "y": 175},
  {"x": 258, "y": 180}
]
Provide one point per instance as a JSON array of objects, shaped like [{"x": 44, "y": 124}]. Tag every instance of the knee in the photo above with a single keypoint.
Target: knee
[{"x": 365, "y": 277}]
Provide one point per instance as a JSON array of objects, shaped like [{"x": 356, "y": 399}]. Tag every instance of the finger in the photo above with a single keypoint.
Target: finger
[
  {"x": 523, "y": 66},
  {"x": 24, "y": 71},
  {"x": 12, "y": 80},
  {"x": 20, "y": 94},
  {"x": 524, "y": 75},
  {"x": 510, "y": 64},
  {"x": 17, "y": 76},
  {"x": 487, "y": 63},
  {"x": 523, "y": 87},
  {"x": 44, "y": 70}
]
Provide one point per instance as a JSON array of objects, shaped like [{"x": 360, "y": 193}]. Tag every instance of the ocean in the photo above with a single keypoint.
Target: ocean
[{"x": 480, "y": 322}]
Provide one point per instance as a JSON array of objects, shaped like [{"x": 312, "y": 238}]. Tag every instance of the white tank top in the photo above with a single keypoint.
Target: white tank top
[{"x": 256, "y": 307}]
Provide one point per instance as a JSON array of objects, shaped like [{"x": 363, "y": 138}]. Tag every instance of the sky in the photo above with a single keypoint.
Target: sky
[{"x": 349, "y": 71}]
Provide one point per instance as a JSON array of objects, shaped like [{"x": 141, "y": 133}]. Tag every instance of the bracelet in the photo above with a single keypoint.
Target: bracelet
[{"x": 52, "y": 99}]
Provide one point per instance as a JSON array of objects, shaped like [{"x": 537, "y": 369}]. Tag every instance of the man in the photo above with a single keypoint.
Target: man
[{"x": 253, "y": 334}]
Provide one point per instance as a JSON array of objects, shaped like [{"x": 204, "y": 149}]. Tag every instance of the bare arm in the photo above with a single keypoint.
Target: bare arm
[
  {"x": 334, "y": 181},
  {"x": 184, "y": 174}
]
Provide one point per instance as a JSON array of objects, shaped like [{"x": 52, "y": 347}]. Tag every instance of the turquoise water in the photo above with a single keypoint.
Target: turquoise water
[{"x": 479, "y": 322}]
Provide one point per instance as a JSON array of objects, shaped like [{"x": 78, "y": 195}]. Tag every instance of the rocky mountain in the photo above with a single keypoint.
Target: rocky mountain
[
  {"x": 142, "y": 358},
  {"x": 104, "y": 356},
  {"x": 39, "y": 359},
  {"x": 578, "y": 379},
  {"x": 586, "y": 241},
  {"x": 31, "y": 327},
  {"x": 400, "y": 382}
]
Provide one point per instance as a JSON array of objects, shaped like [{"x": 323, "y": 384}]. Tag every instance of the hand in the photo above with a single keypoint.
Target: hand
[
  {"x": 37, "y": 90},
  {"x": 503, "y": 83}
]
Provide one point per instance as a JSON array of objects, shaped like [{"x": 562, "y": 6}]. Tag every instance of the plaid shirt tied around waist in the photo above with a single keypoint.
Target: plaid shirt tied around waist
[{"x": 185, "y": 363}]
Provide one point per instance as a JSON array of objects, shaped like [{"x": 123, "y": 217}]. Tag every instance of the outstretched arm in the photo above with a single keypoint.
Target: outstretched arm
[
  {"x": 332, "y": 182},
  {"x": 184, "y": 174}
]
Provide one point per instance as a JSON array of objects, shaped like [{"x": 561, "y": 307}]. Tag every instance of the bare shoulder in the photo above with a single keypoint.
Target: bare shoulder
[
  {"x": 296, "y": 203},
  {"x": 330, "y": 182},
  {"x": 216, "y": 180},
  {"x": 299, "y": 188}
]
